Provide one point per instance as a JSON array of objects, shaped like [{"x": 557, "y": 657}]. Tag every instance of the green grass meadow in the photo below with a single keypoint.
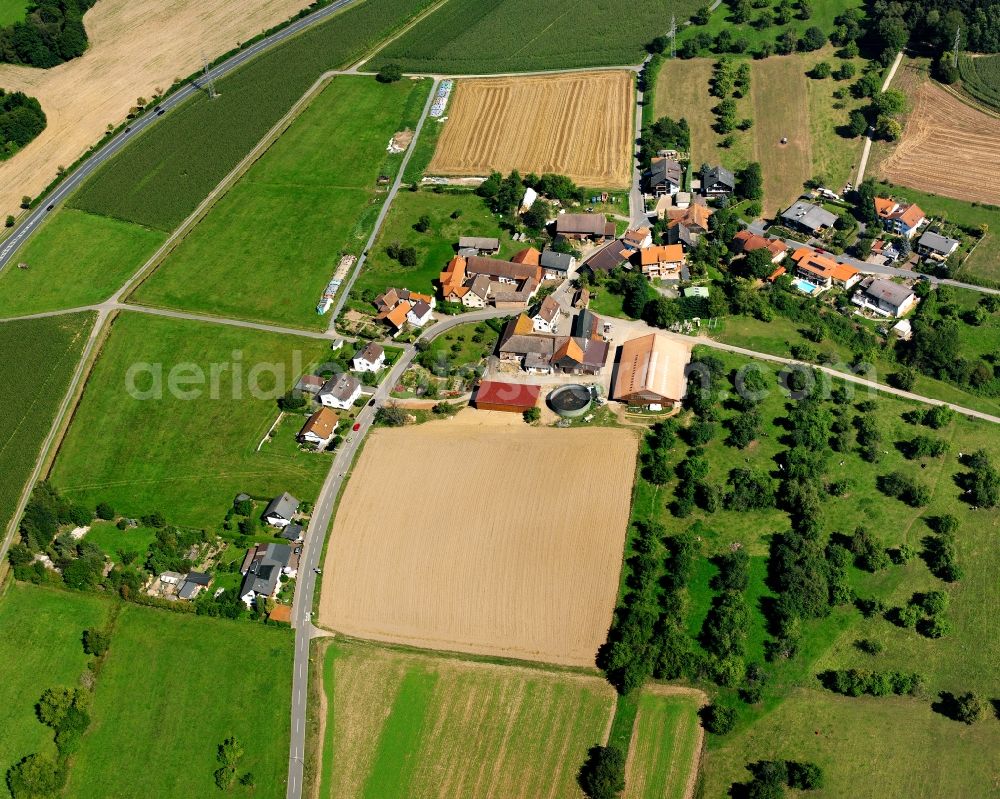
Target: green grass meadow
[
  {"x": 868, "y": 747},
  {"x": 185, "y": 155},
  {"x": 172, "y": 688},
  {"x": 435, "y": 247},
  {"x": 39, "y": 358},
  {"x": 41, "y": 647},
  {"x": 775, "y": 337},
  {"x": 186, "y": 458},
  {"x": 12, "y": 11},
  {"x": 267, "y": 249},
  {"x": 75, "y": 259},
  {"x": 111, "y": 540},
  {"x": 403, "y": 724},
  {"x": 473, "y": 36}
]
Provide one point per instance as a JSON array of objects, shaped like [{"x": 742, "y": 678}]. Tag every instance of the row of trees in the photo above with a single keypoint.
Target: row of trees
[{"x": 771, "y": 777}]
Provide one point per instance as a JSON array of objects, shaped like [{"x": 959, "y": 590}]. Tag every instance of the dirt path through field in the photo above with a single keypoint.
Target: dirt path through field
[
  {"x": 947, "y": 148},
  {"x": 135, "y": 47},
  {"x": 460, "y": 536}
]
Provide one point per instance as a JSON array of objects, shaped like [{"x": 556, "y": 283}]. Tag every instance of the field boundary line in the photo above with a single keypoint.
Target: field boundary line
[
  {"x": 378, "y": 48},
  {"x": 970, "y": 101},
  {"x": 53, "y": 441},
  {"x": 221, "y": 189}
]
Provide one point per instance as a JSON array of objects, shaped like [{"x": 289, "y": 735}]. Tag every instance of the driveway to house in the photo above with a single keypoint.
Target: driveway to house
[{"x": 868, "y": 137}]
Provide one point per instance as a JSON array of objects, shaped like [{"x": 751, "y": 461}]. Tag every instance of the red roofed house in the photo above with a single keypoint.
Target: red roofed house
[
  {"x": 511, "y": 397},
  {"x": 319, "y": 429},
  {"x": 663, "y": 260},
  {"x": 745, "y": 242},
  {"x": 822, "y": 271},
  {"x": 904, "y": 219}
]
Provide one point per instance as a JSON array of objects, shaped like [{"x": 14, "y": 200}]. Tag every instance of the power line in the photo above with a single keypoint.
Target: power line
[
  {"x": 673, "y": 36},
  {"x": 209, "y": 82},
  {"x": 954, "y": 49}
]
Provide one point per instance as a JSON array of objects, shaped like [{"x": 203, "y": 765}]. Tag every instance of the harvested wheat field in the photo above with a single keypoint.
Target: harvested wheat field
[
  {"x": 467, "y": 538},
  {"x": 947, "y": 148},
  {"x": 414, "y": 726},
  {"x": 577, "y": 124},
  {"x": 135, "y": 47}
]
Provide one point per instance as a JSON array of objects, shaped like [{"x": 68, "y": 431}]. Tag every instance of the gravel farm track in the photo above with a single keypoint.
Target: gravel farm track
[
  {"x": 483, "y": 535},
  {"x": 947, "y": 148},
  {"x": 508, "y": 123},
  {"x": 135, "y": 47}
]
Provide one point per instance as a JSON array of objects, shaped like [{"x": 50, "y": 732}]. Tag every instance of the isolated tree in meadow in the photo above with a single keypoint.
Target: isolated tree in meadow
[{"x": 35, "y": 777}]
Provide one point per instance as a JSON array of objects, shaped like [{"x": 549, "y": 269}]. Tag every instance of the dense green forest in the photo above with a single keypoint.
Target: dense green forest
[
  {"x": 52, "y": 32},
  {"x": 21, "y": 119}
]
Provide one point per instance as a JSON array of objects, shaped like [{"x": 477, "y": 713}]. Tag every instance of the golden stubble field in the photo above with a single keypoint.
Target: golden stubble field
[
  {"x": 503, "y": 541},
  {"x": 577, "y": 124},
  {"x": 135, "y": 47},
  {"x": 947, "y": 148}
]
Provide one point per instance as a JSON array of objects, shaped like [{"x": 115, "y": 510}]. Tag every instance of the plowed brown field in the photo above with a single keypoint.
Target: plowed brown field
[
  {"x": 947, "y": 148},
  {"x": 576, "y": 124},
  {"x": 476, "y": 539}
]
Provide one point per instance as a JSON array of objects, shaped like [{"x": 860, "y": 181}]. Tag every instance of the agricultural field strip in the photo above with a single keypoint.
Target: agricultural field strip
[
  {"x": 77, "y": 177},
  {"x": 50, "y": 444}
]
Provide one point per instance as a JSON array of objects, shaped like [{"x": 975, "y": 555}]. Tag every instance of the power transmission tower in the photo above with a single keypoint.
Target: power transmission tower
[
  {"x": 673, "y": 36},
  {"x": 209, "y": 82},
  {"x": 954, "y": 49}
]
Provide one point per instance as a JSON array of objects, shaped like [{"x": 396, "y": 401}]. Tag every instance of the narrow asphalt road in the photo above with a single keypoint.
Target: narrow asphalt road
[
  {"x": 636, "y": 203},
  {"x": 75, "y": 179},
  {"x": 319, "y": 527}
]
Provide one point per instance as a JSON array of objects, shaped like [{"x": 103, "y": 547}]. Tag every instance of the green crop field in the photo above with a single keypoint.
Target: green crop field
[
  {"x": 796, "y": 717},
  {"x": 160, "y": 179},
  {"x": 75, "y": 259},
  {"x": 172, "y": 688},
  {"x": 815, "y": 146},
  {"x": 267, "y": 249},
  {"x": 473, "y": 36},
  {"x": 186, "y": 457},
  {"x": 664, "y": 746},
  {"x": 981, "y": 77},
  {"x": 402, "y": 724},
  {"x": 435, "y": 247},
  {"x": 12, "y": 11},
  {"x": 41, "y": 648},
  {"x": 39, "y": 358}
]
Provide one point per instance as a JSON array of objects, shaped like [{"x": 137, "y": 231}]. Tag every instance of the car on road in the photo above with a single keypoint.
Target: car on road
[
  {"x": 357, "y": 426},
  {"x": 317, "y": 570},
  {"x": 128, "y": 130},
  {"x": 372, "y": 403},
  {"x": 49, "y": 208},
  {"x": 159, "y": 113}
]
